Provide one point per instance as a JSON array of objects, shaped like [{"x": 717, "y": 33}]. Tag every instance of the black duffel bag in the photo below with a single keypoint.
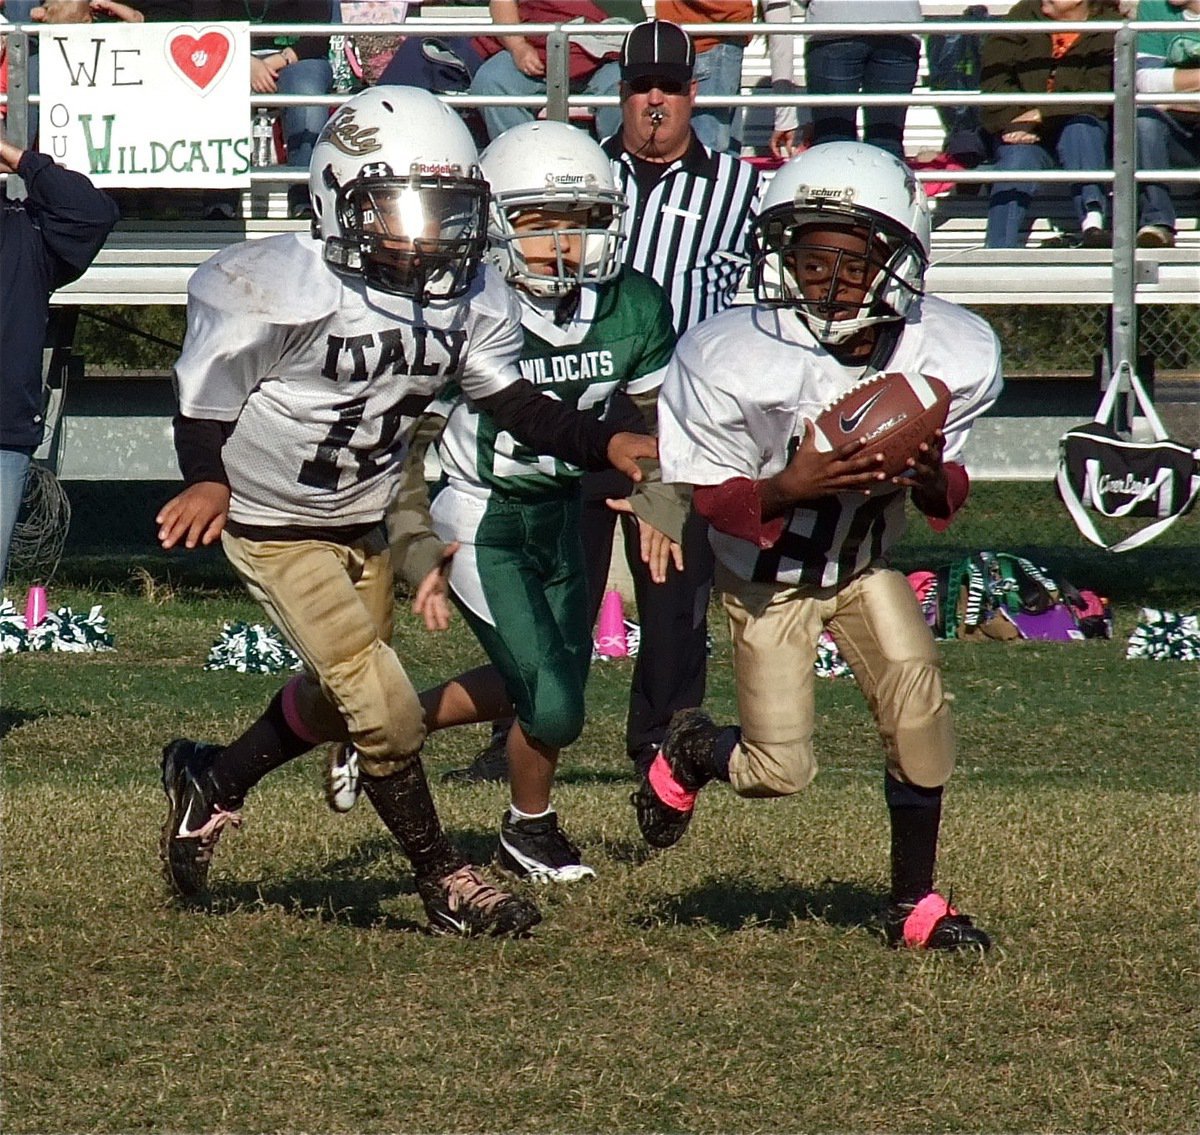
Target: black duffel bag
[{"x": 1115, "y": 476}]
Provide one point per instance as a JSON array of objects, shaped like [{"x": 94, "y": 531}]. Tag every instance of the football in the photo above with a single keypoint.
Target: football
[{"x": 895, "y": 412}]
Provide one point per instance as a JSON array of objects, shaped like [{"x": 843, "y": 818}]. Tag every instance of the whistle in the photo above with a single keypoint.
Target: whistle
[{"x": 656, "y": 117}]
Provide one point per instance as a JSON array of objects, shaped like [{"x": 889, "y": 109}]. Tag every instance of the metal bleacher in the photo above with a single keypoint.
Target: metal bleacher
[{"x": 148, "y": 261}]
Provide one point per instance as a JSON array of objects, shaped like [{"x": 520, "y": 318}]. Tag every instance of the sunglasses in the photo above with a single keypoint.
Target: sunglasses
[{"x": 648, "y": 83}]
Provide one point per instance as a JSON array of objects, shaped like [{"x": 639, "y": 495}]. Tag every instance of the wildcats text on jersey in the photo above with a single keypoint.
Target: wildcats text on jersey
[
  {"x": 584, "y": 366},
  {"x": 401, "y": 350}
]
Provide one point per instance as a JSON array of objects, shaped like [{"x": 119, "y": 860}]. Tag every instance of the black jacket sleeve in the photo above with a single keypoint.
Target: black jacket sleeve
[
  {"x": 549, "y": 426},
  {"x": 72, "y": 215}
]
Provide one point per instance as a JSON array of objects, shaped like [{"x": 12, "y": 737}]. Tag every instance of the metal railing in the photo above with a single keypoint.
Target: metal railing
[{"x": 558, "y": 102}]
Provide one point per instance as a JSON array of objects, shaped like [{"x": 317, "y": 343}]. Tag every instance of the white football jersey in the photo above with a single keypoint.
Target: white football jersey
[
  {"x": 325, "y": 377},
  {"x": 734, "y": 402}
]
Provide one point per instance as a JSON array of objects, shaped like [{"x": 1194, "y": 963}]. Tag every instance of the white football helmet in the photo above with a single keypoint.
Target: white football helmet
[
  {"x": 551, "y": 167},
  {"x": 397, "y": 193},
  {"x": 843, "y": 185}
]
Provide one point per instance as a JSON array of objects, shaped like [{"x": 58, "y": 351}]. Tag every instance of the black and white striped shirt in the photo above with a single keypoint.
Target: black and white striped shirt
[{"x": 691, "y": 231}]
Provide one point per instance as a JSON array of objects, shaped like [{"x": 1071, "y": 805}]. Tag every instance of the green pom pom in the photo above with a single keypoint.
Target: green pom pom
[{"x": 250, "y": 648}]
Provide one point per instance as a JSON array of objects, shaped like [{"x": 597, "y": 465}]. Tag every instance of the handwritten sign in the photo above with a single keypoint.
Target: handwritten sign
[{"x": 148, "y": 104}]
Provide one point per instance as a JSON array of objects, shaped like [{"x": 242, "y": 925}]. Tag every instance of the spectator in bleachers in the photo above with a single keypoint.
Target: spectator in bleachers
[
  {"x": 516, "y": 64},
  {"x": 1166, "y": 135},
  {"x": 718, "y": 69},
  {"x": 62, "y": 12},
  {"x": 442, "y": 65},
  {"x": 861, "y": 64},
  {"x": 289, "y": 66},
  {"x": 367, "y": 53},
  {"x": 787, "y": 135},
  {"x": 1037, "y": 137}
]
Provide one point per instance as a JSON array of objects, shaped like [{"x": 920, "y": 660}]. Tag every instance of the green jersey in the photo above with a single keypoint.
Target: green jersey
[
  {"x": 620, "y": 337},
  {"x": 1176, "y": 48}
]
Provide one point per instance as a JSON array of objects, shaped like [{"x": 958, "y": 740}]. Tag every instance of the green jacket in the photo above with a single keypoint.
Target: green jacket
[{"x": 1016, "y": 61}]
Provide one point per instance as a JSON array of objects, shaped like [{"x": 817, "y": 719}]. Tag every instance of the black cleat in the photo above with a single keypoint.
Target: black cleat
[
  {"x": 194, "y": 819},
  {"x": 490, "y": 765},
  {"x": 539, "y": 850},
  {"x": 932, "y": 924},
  {"x": 666, "y": 798},
  {"x": 464, "y": 903}
]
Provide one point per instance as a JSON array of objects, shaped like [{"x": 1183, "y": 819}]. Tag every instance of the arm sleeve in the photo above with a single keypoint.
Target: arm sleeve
[
  {"x": 73, "y": 216},
  {"x": 735, "y": 508},
  {"x": 664, "y": 507},
  {"x": 548, "y": 426},
  {"x": 416, "y": 549},
  {"x": 198, "y": 443},
  {"x": 780, "y": 50},
  {"x": 958, "y": 488}
]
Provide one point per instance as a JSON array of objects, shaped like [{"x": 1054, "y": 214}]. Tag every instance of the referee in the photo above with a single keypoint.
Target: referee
[{"x": 688, "y": 227}]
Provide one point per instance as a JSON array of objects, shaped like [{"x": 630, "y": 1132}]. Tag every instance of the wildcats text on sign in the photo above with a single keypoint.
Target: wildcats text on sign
[{"x": 148, "y": 104}]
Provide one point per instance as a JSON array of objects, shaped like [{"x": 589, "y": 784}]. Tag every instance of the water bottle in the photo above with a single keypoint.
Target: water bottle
[{"x": 263, "y": 133}]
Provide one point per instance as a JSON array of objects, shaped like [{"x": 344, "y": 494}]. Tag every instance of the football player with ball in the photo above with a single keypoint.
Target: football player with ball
[{"x": 802, "y": 530}]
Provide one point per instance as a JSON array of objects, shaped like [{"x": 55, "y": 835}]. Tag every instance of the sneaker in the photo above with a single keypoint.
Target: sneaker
[
  {"x": 1155, "y": 236},
  {"x": 491, "y": 764},
  {"x": 194, "y": 819},
  {"x": 540, "y": 851},
  {"x": 220, "y": 211},
  {"x": 666, "y": 798},
  {"x": 342, "y": 785},
  {"x": 932, "y": 924},
  {"x": 464, "y": 903}
]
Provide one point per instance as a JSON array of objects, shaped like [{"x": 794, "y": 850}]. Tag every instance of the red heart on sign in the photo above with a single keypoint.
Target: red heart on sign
[{"x": 200, "y": 58}]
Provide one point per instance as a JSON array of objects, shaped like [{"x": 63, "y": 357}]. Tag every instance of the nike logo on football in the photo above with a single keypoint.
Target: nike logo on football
[{"x": 850, "y": 424}]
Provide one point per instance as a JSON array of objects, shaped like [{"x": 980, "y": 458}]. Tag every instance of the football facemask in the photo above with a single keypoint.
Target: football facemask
[
  {"x": 416, "y": 236},
  {"x": 549, "y": 259},
  {"x": 883, "y": 265}
]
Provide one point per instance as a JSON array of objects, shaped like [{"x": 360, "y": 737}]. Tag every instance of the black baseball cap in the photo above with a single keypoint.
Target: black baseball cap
[{"x": 657, "y": 49}]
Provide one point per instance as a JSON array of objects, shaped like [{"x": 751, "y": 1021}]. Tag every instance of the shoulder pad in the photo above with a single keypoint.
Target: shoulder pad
[{"x": 280, "y": 279}]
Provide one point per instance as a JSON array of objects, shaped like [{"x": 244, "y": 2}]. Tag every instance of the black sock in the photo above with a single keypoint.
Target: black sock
[
  {"x": 722, "y": 750},
  {"x": 266, "y": 745},
  {"x": 916, "y": 814},
  {"x": 406, "y": 808}
]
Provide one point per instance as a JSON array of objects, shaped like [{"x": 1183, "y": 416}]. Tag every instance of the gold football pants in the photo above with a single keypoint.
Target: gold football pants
[
  {"x": 334, "y": 603},
  {"x": 881, "y": 632}
]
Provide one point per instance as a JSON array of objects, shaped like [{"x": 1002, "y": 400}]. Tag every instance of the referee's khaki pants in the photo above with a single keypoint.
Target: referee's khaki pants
[
  {"x": 881, "y": 632},
  {"x": 334, "y": 604}
]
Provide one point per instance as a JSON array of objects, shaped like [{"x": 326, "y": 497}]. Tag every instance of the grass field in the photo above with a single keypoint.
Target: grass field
[{"x": 734, "y": 983}]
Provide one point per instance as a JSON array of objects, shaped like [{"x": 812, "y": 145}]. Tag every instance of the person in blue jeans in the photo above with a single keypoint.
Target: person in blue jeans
[
  {"x": 1042, "y": 136},
  {"x": 516, "y": 64},
  {"x": 281, "y": 65},
  {"x": 718, "y": 67},
  {"x": 863, "y": 64},
  {"x": 1167, "y": 135}
]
